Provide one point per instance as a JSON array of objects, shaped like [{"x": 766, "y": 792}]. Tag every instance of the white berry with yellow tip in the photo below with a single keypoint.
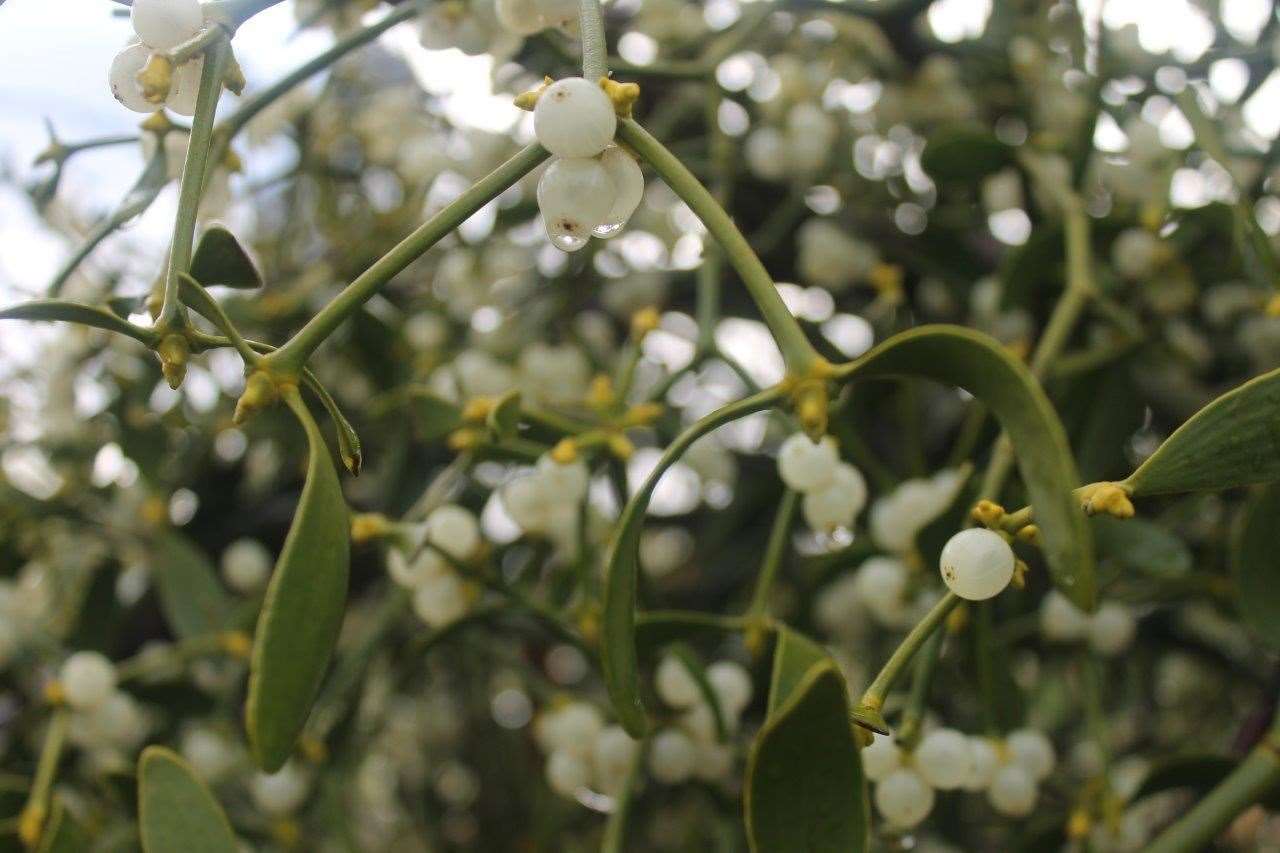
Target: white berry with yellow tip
[
  {"x": 574, "y": 118},
  {"x": 977, "y": 564}
]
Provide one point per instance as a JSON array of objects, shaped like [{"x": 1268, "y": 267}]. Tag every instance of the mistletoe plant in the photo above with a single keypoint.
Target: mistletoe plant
[{"x": 1051, "y": 474}]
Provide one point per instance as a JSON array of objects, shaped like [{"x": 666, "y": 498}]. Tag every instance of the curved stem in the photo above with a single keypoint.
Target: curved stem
[
  {"x": 594, "y": 51},
  {"x": 193, "y": 175},
  {"x": 773, "y": 553},
  {"x": 798, "y": 353},
  {"x": 874, "y": 695},
  {"x": 290, "y": 357}
]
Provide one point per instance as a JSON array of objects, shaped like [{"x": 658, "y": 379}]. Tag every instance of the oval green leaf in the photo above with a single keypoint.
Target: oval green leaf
[
  {"x": 980, "y": 365},
  {"x": 176, "y": 812},
  {"x": 220, "y": 259},
  {"x": 805, "y": 789},
  {"x": 302, "y": 612},
  {"x": 1233, "y": 441},
  {"x": 192, "y": 598},
  {"x": 74, "y": 312},
  {"x": 1257, "y": 567},
  {"x": 618, "y": 639}
]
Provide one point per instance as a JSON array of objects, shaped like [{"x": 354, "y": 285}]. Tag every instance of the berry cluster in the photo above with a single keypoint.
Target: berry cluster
[
  {"x": 440, "y": 595},
  {"x": 898, "y": 517},
  {"x": 107, "y": 722},
  {"x": 834, "y": 491},
  {"x": 691, "y": 747},
  {"x": 1009, "y": 770},
  {"x": 159, "y": 25},
  {"x": 583, "y": 754},
  {"x": 592, "y": 186},
  {"x": 1109, "y": 630},
  {"x": 546, "y": 501}
]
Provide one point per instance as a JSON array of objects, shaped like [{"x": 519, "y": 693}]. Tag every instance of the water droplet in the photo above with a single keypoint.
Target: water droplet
[{"x": 569, "y": 242}]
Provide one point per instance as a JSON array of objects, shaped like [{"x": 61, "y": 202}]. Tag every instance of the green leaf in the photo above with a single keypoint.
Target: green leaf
[
  {"x": 504, "y": 417},
  {"x": 1256, "y": 564},
  {"x": 804, "y": 788},
  {"x": 434, "y": 416},
  {"x": 618, "y": 640},
  {"x": 1233, "y": 441},
  {"x": 1140, "y": 545},
  {"x": 981, "y": 366},
  {"x": 962, "y": 153},
  {"x": 302, "y": 612},
  {"x": 176, "y": 812},
  {"x": 61, "y": 833},
  {"x": 349, "y": 446},
  {"x": 192, "y": 598},
  {"x": 74, "y": 312},
  {"x": 220, "y": 259}
]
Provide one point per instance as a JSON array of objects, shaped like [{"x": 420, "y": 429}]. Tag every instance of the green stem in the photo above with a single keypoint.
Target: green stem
[
  {"x": 290, "y": 357},
  {"x": 259, "y": 101},
  {"x": 37, "y": 806},
  {"x": 773, "y": 554},
  {"x": 921, "y": 678},
  {"x": 594, "y": 51},
  {"x": 1247, "y": 784},
  {"x": 797, "y": 352},
  {"x": 874, "y": 695},
  {"x": 193, "y": 175},
  {"x": 692, "y": 619}
]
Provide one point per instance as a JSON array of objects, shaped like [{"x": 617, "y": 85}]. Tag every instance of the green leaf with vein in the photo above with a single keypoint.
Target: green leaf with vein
[
  {"x": 176, "y": 812},
  {"x": 303, "y": 609},
  {"x": 192, "y": 598},
  {"x": 75, "y": 312},
  {"x": 1233, "y": 441},
  {"x": 61, "y": 833},
  {"x": 618, "y": 641},
  {"x": 805, "y": 789},
  {"x": 1256, "y": 564},
  {"x": 980, "y": 365},
  {"x": 220, "y": 259}
]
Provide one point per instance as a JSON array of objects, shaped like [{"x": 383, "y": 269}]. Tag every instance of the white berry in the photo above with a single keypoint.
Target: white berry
[
  {"x": 564, "y": 483},
  {"x": 567, "y": 773},
  {"x": 1032, "y": 751},
  {"x": 628, "y": 184},
  {"x": 1111, "y": 629},
  {"x": 944, "y": 759},
  {"x": 162, "y": 24},
  {"x": 123, "y": 78},
  {"x": 732, "y": 685},
  {"x": 1060, "y": 620},
  {"x": 88, "y": 679},
  {"x": 805, "y": 465},
  {"x": 838, "y": 503},
  {"x": 185, "y": 88},
  {"x": 671, "y": 756},
  {"x": 881, "y": 757},
  {"x": 976, "y": 564},
  {"x": 279, "y": 793},
  {"x": 440, "y": 600},
  {"x": 574, "y": 118},
  {"x": 675, "y": 685},
  {"x": 903, "y": 798},
  {"x": 414, "y": 573},
  {"x": 611, "y": 759},
  {"x": 453, "y": 529},
  {"x": 574, "y": 195},
  {"x": 573, "y": 728},
  {"x": 246, "y": 563},
  {"x": 1013, "y": 792},
  {"x": 984, "y": 760},
  {"x": 881, "y": 584},
  {"x": 519, "y": 16}
]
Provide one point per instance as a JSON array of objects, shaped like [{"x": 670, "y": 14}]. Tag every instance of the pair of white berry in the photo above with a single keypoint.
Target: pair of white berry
[
  {"x": 897, "y": 518},
  {"x": 159, "y": 25},
  {"x": 879, "y": 589},
  {"x": 692, "y": 746},
  {"x": 945, "y": 760},
  {"x": 583, "y": 754},
  {"x": 547, "y": 500},
  {"x": 105, "y": 717},
  {"x": 526, "y": 17},
  {"x": 1109, "y": 630},
  {"x": 834, "y": 491},
  {"x": 439, "y": 595},
  {"x": 593, "y": 186}
]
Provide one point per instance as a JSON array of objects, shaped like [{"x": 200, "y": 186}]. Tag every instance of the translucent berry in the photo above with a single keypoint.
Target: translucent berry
[
  {"x": 185, "y": 88},
  {"x": 88, "y": 679},
  {"x": 279, "y": 793},
  {"x": 413, "y": 573},
  {"x": 805, "y": 465},
  {"x": 574, "y": 118},
  {"x": 903, "y": 798},
  {"x": 672, "y": 756},
  {"x": 1031, "y": 750},
  {"x": 521, "y": 17},
  {"x": 611, "y": 759},
  {"x": 454, "y": 530},
  {"x": 837, "y": 504},
  {"x": 675, "y": 685},
  {"x": 123, "y": 78},
  {"x": 628, "y": 182},
  {"x": 983, "y": 763},
  {"x": 976, "y": 564},
  {"x": 1013, "y": 792},
  {"x": 881, "y": 757},
  {"x": 1111, "y": 629},
  {"x": 567, "y": 773},
  {"x": 575, "y": 195},
  {"x": 440, "y": 600},
  {"x": 944, "y": 759},
  {"x": 1060, "y": 620},
  {"x": 732, "y": 685},
  {"x": 162, "y": 24}
]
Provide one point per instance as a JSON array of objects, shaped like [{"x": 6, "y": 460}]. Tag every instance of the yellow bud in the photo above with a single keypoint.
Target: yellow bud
[
  {"x": 313, "y": 749},
  {"x": 157, "y": 123},
  {"x": 565, "y": 451},
  {"x": 233, "y": 77},
  {"x": 286, "y": 833},
  {"x": 886, "y": 279},
  {"x": 477, "y": 409},
  {"x": 174, "y": 352},
  {"x": 54, "y": 692},
  {"x": 260, "y": 391},
  {"x": 621, "y": 446},
  {"x": 987, "y": 513},
  {"x": 1031, "y": 535},
  {"x": 623, "y": 96},
  {"x": 1108, "y": 498},
  {"x": 644, "y": 321},
  {"x": 156, "y": 78},
  {"x": 1273, "y": 306},
  {"x": 811, "y": 408},
  {"x": 1019, "y": 574},
  {"x": 231, "y": 160},
  {"x": 600, "y": 394},
  {"x": 154, "y": 511},
  {"x": 643, "y": 414},
  {"x": 366, "y": 526},
  {"x": 31, "y": 824},
  {"x": 1019, "y": 349},
  {"x": 528, "y": 100},
  {"x": 461, "y": 440},
  {"x": 1079, "y": 825},
  {"x": 589, "y": 627},
  {"x": 236, "y": 644}
]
